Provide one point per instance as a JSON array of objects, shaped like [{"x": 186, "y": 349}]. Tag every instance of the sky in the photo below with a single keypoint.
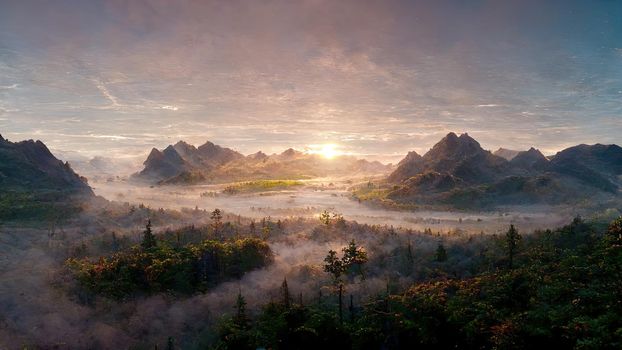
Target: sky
[{"x": 375, "y": 78}]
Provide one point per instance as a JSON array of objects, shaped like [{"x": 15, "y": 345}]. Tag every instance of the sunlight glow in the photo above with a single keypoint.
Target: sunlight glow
[{"x": 328, "y": 151}]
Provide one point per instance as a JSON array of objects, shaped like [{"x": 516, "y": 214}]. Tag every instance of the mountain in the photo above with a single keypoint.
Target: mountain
[
  {"x": 596, "y": 165},
  {"x": 29, "y": 166},
  {"x": 185, "y": 164},
  {"x": 215, "y": 155},
  {"x": 532, "y": 159},
  {"x": 508, "y": 154},
  {"x": 458, "y": 173},
  {"x": 163, "y": 165},
  {"x": 258, "y": 156},
  {"x": 461, "y": 156}
]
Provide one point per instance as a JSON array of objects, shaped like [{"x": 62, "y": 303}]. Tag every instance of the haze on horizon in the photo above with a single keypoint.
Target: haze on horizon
[{"x": 377, "y": 79}]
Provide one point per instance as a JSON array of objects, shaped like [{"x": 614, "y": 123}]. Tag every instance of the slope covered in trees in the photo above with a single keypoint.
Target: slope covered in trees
[
  {"x": 559, "y": 289},
  {"x": 166, "y": 266},
  {"x": 34, "y": 184}
]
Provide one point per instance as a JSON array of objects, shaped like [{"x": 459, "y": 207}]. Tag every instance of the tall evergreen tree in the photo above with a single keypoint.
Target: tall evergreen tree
[
  {"x": 441, "y": 253},
  {"x": 149, "y": 240},
  {"x": 285, "y": 297},
  {"x": 216, "y": 221},
  {"x": 241, "y": 320},
  {"x": 512, "y": 238}
]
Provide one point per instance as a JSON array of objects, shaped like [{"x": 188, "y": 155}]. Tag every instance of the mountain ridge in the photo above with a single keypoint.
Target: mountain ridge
[
  {"x": 185, "y": 164},
  {"x": 458, "y": 172}
]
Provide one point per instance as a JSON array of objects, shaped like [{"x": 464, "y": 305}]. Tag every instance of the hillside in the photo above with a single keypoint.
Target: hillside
[
  {"x": 29, "y": 166},
  {"x": 458, "y": 173},
  {"x": 34, "y": 183}
]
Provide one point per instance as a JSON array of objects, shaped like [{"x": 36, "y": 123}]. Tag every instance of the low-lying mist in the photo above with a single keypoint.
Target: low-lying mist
[{"x": 42, "y": 308}]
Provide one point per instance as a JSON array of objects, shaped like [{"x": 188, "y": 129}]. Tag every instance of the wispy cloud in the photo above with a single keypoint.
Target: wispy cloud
[{"x": 375, "y": 77}]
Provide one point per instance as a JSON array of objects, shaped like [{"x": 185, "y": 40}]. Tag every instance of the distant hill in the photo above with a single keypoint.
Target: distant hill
[
  {"x": 185, "y": 164},
  {"x": 457, "y": 172},
  {"x": 35, "y": 185},
  {"x": 461, "y": 156},
  {"x": 29, "y": 166}
]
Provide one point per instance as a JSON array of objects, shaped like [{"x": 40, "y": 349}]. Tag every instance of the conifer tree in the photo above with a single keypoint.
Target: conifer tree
[
  {"x": 241, "y": 319},
  {"x": 285, "y": 297},
  {"x": 512, "y": 238},
  {"x": 441, "y": 253},
  {"x": 149, "y": 240}
]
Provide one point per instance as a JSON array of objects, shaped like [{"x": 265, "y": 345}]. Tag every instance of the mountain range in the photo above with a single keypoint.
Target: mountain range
[
  {"x": 183, "y": 163},
  {"x": 458, "y": 172}
]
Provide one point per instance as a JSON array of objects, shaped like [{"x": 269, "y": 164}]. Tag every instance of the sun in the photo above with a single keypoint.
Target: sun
[{"x": 328, "y": 151}]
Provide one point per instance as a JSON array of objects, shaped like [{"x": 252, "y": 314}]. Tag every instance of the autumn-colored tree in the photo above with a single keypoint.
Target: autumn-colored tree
[
  {"x": 325, "y": 218},
  {"x": 614, "y": 232}
]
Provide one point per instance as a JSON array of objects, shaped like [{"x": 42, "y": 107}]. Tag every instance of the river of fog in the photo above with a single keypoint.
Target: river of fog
[{"x": 327, "y": 194}]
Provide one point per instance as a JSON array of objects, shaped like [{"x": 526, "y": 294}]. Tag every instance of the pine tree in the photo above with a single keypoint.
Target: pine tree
[
  {"x": 441, "y": 253},
  {"x": 512, "y": 238},
  {"x": 265, "y": 232},
  {"x": 216, "y": 221},
  {"x": 149, "y": 240},
  {"x": 241, "y": 319},
  {"x": 252, "y": 228},
  {"x": 285, "y": 297},
  {"x": 115, "y": 242}
]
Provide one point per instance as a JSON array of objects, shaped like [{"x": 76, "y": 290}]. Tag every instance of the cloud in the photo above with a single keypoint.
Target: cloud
[{"x": 279, "y": 73}]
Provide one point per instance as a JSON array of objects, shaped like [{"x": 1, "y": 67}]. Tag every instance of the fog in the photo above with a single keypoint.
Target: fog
[
  {"x": 333, "y": 195},
  {"x": 42, "y": 309}
]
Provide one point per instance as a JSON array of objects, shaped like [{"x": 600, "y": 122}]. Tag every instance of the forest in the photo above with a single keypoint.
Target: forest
[
  {"x": 380, "y": 287},
  {"x": 559, "y": 289}
]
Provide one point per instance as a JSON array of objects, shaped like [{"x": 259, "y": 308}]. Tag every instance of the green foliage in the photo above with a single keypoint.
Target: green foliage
[
  {"x": 50, "y": 207},
  {"x": 352, "y": 261},
  {"x": 165, "y": 268},
  {"x": 333, "y": 265},
  {"x": 149, "y": 240},
  {"x": 564, "y": 292},
  {"x": 354, "y": 257},
  {"x": 261, "y": 186}
]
